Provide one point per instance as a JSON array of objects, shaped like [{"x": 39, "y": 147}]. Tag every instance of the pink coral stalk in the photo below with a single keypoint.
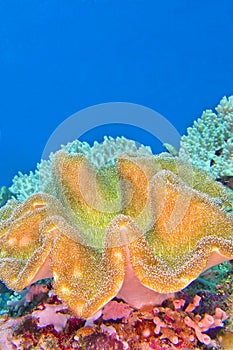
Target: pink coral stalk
[{"x": 192, "y": 306}]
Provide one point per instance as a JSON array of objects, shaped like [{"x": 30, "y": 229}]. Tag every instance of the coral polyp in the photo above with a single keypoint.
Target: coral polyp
[{"x": 137, "y": 226}]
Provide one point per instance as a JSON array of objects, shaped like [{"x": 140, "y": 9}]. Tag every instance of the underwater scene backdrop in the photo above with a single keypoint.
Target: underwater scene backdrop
[{"x": 116, "y": 236}]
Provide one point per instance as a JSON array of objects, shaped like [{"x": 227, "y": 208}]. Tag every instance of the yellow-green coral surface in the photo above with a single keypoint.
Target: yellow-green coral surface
[{"x": 156, "y": 214}]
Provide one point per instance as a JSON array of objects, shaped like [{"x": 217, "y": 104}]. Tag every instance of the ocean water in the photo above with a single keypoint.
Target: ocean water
[{"x": 58, "y": 57}]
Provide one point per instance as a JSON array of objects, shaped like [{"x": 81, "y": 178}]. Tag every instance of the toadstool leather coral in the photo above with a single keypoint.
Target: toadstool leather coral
[{"x": 140, "y": 228}]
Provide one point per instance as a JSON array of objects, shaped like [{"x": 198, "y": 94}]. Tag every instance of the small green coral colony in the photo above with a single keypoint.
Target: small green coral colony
[
  {"x": 209, "y": 143},
  {"x": 116, "y": 220}
]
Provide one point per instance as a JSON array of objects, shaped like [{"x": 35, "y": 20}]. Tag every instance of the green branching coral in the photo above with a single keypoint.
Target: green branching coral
[{"x": 209, "y": 143}]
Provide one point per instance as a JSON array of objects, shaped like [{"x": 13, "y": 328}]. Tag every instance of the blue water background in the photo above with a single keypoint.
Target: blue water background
[{"x": 57, "y": 57}]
